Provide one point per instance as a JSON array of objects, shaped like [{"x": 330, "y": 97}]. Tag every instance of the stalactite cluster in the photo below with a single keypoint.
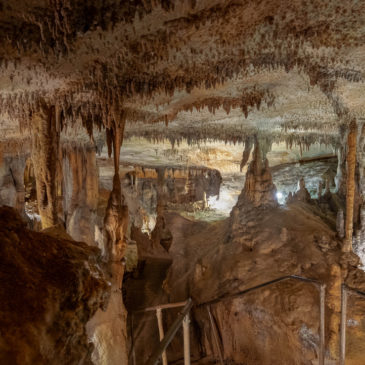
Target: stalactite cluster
[
  {"x": 196, "y": 135},
  {"x": 250, "y": 72},
  {"x": 117, "y": 58}
]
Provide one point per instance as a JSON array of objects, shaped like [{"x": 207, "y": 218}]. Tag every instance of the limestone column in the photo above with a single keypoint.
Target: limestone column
[
  {"x": 80, "y": 190},
  {"x": 359, "y": 242},
  {"x": 107, "y": 329},
  {"x": 45, "y": 145},
  {"x": 350, "y": 187}
]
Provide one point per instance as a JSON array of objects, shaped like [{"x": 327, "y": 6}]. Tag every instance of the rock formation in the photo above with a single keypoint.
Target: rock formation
[
  {"x": 259, "y": 189},
  {"x": 186, "y": 84},
  {"x": 259, "y": 193},
  {"x": 12, "y": 191},
  {"x": 45, "y": 150},
  {"x": 108, "y": 329},
  {"x": 46, "y": 298},
  {"x": 350, "y": 187},
  {"x": 302, "y": 194},
  {"x": 80, "y": 187}
]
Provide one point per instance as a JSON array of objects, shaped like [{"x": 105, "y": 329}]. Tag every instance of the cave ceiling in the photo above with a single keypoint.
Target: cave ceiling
[{"x": 208, "y": 69}]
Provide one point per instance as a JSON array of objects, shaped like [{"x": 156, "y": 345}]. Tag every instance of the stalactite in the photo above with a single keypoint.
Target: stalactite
[
  {"x": 194, "y": 134},
  {"x": 246, "y": 152},
  {"x": 350, "y": 186}
]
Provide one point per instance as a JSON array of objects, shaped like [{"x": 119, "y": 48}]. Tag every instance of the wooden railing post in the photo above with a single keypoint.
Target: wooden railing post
[
  {"x": 132, "y": 340},
  {"x": 343, "y": 324},
  {"x": 184, "y": 320},
  {"x": 186, "y": 330},
  {"x": 154, "y": 358},
  {"x": 322, "y": 309},
  {"x": 345, "y": 290},
  {"x": 161, "y": 332}
]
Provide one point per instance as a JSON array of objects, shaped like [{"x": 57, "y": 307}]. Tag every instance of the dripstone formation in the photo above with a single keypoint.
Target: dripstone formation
[{"x": 150, "y": 152}]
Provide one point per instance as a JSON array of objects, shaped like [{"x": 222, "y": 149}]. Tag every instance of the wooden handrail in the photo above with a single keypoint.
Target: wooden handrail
[
  {"x": 318, "y": 284},
  {"x": 158, "y": 309},
  {"x": 154, "y": 359},
  {"x": 161, "y": 306},
  {"x": 354, "y": 291},
  {"x": 245, "y": 291}
]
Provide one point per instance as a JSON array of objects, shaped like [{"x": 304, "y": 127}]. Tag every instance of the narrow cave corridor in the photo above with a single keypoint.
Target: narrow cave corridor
[{"x": 182, "y": 182}]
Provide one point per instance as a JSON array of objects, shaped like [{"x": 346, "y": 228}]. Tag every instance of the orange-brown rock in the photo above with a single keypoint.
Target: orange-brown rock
[
  {"x": 45, "y": 152},
  {"x": 50, "y": 288}
]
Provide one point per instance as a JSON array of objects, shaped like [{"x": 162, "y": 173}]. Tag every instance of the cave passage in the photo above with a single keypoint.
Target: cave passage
[{"x": 182, "y": 182}]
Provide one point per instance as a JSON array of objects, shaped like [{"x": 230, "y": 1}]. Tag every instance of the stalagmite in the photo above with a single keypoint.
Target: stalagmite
[
  {"x": 350, "y": 187},
  {"x": 45, "y": 152},
  {"x": 302, "y": 194},
  {"x": 116, "y": 222},
  {"x": 259, "y": 188},
  {"x": 161, "y": 235},
  {"x": 328, "y": 183},
  {"x": 190, "y": 187}
]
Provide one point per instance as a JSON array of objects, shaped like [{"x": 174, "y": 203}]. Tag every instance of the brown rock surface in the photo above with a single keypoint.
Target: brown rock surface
[
  {"x": 289, "y": 72},
  {"x": 49, "y": 289},
  {"x": 274, "y": 325}
]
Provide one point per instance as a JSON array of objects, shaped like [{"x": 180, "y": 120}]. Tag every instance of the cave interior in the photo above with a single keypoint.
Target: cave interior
[{"x": 182, "y": 182}]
